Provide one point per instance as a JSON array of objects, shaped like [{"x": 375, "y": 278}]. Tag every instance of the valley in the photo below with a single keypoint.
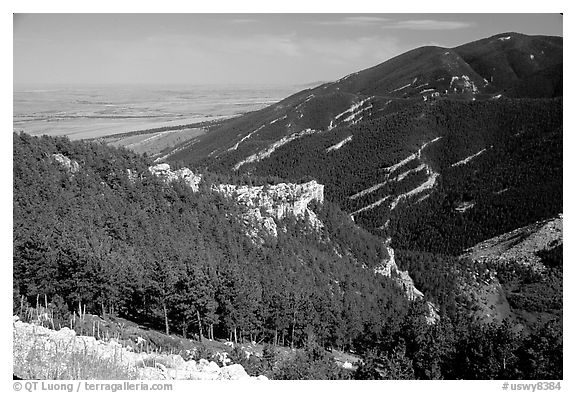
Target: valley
[{"x": 404, "y": 221}]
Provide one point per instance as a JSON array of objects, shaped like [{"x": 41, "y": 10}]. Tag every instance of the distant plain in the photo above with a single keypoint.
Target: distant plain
[{"x": 85, "y": 112}]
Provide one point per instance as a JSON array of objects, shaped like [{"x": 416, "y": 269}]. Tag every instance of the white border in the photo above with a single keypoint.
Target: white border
[{"x": 294, "y": 6}]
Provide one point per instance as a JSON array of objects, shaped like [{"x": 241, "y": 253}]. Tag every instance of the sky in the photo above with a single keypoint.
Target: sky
[{"x": 237, "y": 48}]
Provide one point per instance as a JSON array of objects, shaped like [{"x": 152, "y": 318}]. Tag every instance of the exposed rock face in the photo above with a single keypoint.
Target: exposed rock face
[
  {"x": 163, "y": 171},
  {"x": 277, "y": 201},
  {"x": 50, "y": 344},
  {"x": 488, "y": 297},
  {"x": 263, "y": 203},
  {"x": 266, "y": 203},
  {"x": 520, "y": 245},
  {"x": 402, "y": 277},
  {"x": 71, "y": 165}
]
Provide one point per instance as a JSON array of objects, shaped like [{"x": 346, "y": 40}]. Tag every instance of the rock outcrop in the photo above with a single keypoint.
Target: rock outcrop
[
  {"x": 388, "y": 266},
  {"x": 71, "y": 165},
  {"x": 163, "y": 171},
  {"x": 51, "y": 344},
  {"x": 521, "y": 245},
  {"x": 278, "y": 200},
  {"x": 263, "y": 204},
  {"x": 266, "y": 203}
]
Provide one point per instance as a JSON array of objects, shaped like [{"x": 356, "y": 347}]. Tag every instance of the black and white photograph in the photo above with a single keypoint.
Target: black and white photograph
[{"x": 287, "y": 196}]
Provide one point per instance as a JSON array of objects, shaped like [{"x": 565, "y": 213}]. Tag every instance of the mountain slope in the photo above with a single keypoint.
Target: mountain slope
[
  {"x": 98, "y": 230},
  {"x": 463, "y": 73},
  {"x": 449, "y": 163},
  {"x": 528, "y": 264},
  {"x": 434, "y": 136},
  {"x": 509, "y": 58},
  {"x": 429, "y": 151}
]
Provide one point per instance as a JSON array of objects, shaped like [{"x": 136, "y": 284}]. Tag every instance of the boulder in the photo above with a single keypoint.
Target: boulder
[
  {"x": 175, "y": 361},
  {"x": 164, "y": 366},
  {"x": 181, "y": 374},
  {"x": 163, "y": 171},
  {"x": 347, "y": 365},
  {"x": 63, "y": 334},
  {"x": 205, "y": 366},
  {"x": 190, "y": 365},
  {"x": 149, "y": 373},
  {"x": 233, "y": 372},
  {"x": 213, "y": 367},
  {"x": 89, "y": 342}
]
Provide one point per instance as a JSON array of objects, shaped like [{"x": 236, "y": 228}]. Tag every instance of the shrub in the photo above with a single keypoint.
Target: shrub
[
  {"x": 202, "y": 352},
  {"x": 313, "y": 363}
]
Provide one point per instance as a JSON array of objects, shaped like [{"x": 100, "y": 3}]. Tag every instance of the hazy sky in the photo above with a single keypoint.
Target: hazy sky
[{"x": 237, "y": 48}]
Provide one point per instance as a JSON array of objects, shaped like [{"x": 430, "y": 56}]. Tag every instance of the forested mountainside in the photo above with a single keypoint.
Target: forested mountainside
[
  {"x": 516, "y": 276},
  {"x": 94, "y": 228},
  {"x": 437, "y": 148},
  {"x": 506, "y": 65},
  {"x": 528, "y": 264},
  {"x": 111, "y": 236},
  {"x": 510, "y": 60}
]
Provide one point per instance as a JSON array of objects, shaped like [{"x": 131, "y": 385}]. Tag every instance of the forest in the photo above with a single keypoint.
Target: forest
[
  {"x": 154, "y": 251},
  {"x": 515, "y": 182},
  {"x": 181, "y": 262}
]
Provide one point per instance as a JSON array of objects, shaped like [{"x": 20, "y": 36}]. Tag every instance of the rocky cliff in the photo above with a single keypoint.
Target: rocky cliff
[
  {"x": 266, "y": 204},
  {"x": 263, "y": 204},
  {"x": 389, "y": 268}
]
